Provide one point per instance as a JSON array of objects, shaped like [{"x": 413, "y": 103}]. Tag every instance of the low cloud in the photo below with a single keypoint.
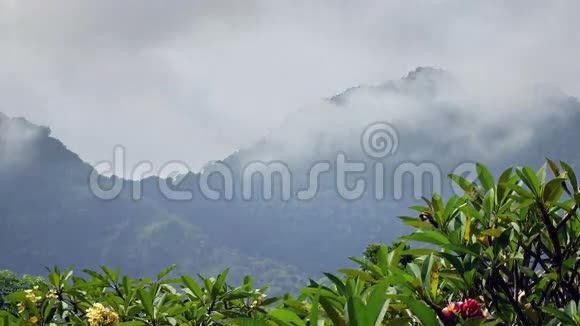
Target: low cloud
[
  {"x": 195, "y": 81},
  {"x": 16, "y": 137}
]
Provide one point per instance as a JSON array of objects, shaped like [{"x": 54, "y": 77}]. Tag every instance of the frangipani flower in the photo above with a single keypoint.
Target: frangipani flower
[
  {"x": 99, "y": 315},
  {"x": 470, "y": 308}
]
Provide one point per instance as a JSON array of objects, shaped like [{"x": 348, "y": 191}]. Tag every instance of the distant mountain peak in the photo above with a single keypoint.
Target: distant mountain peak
[
  {"x": 25, "y": 145},
  {"x": 422, "y": 80},
  {"x": 21, "y": 129},
  {"x": 426, "y": 72}
]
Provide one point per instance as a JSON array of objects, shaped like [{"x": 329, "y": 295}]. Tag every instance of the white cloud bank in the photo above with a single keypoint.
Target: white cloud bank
[{"x": 195, "y": 80}]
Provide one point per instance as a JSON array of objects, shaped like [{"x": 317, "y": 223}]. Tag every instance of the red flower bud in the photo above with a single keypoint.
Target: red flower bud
[
  {"x": 468, "y": 309},
  {"x": 471, "y": 309}
]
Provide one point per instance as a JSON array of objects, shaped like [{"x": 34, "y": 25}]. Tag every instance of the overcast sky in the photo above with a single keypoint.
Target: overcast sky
[{"x": 196, "y": 80}]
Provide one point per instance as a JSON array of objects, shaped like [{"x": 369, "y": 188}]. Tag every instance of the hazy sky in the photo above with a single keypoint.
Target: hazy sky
[{"x": 195, "y": 80}]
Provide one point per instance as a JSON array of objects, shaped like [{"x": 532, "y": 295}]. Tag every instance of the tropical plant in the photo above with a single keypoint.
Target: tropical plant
[{"x": 10, "y": 283}]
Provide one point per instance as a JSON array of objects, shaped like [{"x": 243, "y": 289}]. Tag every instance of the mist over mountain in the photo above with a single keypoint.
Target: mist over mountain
[
  {"x": 43, "y": 184},
  {"x": 436, "y": 118}
]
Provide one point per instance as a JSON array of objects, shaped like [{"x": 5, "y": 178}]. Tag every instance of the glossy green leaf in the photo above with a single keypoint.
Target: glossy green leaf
[
  {"x": 428, "y": 236},
  {"x": 485, "y": 177}
]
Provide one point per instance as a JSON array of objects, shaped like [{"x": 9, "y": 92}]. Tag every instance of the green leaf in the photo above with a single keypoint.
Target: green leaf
[
  {"x": 473, "y": 322},
  {"x": 208, "y": 283},
  {"x": 485, "y": 177},
  {"x": 530, "y": 179},
  {"x": 471, "y": 211},
  {"x": 248, "y": 283},
  {"x": 332, "y": 312},
  {"x": 94, "y": 274},
  {"x": 69, "y": 271},
  {"x": 146, "y": 301},
  {"x": 419, "y": 252},
  {"x": 428, "y": 236},
  {"x": 337, "y": 282},
  {"x": 552, "y": 276},
  {"x": 562, "y": 316},
  {"x": 287, "y": 316},
  {"x": 571, "y": 175},
  {"x": 49, "y": 312},
  {"x": 112, "y": 275},
  {"x": 377, "y": 304},
  {"x": 501, "y": 187},
  {"x": 418, "y": 208},
  {"x": 415, "y": 222},
  {"x": 455, "y": 262},
  {"x": 462, "y": 182},
  {"x": 219, "y": 283},
  {"x": 358, "y": 273},
  {"x": 430, "y": 275},
  {"x": 541, "y": 174},
  {"x": 314, "y": 310},
  {"x": 553, "y": 167},
  {"x": 571, "y": 309},
  {"x": 489, "y": 203},
  {"x": 553, "y": 190},
  {"x": 192, "y": 285},
  {"x": 54, "y": 280},
  {"x": 166, "y": 271},
  {"x": 414, "y": 270},
  {"x": 491, "y": 232},
  {"x": 438, "y": 206},
  {"x": 394, "y": 256},
  {"x": 357, "y": 315},
  {"x": 420, "y": 309},
  {"x": 519, "y": 190},
  {"x": 401, "y": 321},
  {"x": 461, "y": 249},
  {"x": 450, "y": 207},
  {"x": 367, "y": 264}
]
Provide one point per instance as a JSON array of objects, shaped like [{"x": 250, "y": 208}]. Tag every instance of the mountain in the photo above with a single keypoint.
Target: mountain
[
  {"x": 50, "y": 215},
  {"x": 436, "y": 122}
]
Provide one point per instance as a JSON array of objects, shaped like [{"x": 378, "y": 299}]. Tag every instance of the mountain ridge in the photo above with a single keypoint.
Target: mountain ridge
[{"x": 71, "y": 225}]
